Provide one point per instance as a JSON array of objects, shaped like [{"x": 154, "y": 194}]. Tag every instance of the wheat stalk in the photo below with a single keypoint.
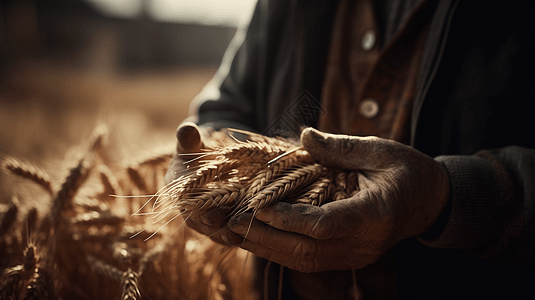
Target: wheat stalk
[
  {"x": 9, "y": 218},
  {"x": 109, "y": 181},
  {"x": 136, "y": 178}
]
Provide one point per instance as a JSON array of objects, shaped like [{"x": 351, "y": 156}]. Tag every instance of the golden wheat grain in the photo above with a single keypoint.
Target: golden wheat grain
[
  {"x": 214, "y": 196},
  {"x": 271, "y": 171},
  {"x": 68, "y": 190},
  {"x": 210, "y": 171},
  {"x": 30, "y": 172},
  {"x": 129, "y": 283},
  {"x": 256, "y": 151},
  {"x": 283, "y": 186},
  {"x": 318, "y": 193}
]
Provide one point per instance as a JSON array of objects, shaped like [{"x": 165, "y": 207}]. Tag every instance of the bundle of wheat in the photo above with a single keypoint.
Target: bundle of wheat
[{"x": 249, "y": 175}]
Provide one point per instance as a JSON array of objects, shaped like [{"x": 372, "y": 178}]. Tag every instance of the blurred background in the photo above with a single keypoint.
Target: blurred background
[{"x": 69, "y": 65}]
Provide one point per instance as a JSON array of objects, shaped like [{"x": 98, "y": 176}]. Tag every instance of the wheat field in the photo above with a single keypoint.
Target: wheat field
[{"x": 114, "y": 230}]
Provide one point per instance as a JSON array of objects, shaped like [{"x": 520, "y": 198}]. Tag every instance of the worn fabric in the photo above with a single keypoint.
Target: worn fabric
[{"x": 473, "y": 109}]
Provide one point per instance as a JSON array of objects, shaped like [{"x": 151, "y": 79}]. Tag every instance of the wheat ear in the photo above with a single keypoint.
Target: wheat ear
[
  {"x": 318, "y": 192},
  {"x": 129, "y": 283},
  {"x": 30, "y": 172},
  {"x": 269, "y": 173},
  {"x": 222, "y": 195},
  {"x": 39, "y": 286},
  {"x": 286, "y": 184},
  {"x": 68, "y": 190}
]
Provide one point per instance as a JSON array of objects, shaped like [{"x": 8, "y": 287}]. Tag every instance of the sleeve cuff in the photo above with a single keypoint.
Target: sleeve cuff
[{"x": 474, "y": 204}]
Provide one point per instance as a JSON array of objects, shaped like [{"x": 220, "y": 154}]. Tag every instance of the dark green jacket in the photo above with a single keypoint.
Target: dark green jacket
[{"x": 474, "y": 110}]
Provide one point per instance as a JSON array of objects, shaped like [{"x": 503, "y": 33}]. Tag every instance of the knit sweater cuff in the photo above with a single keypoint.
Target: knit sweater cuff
[{"x": 474, "y": 203}]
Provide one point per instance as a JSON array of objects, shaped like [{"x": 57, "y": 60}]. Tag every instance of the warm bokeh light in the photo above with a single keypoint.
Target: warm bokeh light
[{"x": 211, "y": 12}]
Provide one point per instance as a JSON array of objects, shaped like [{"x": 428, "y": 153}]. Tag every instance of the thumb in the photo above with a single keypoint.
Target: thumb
[
  {"x": 344, "y": 151},
  {"x": 189, "y": 138}
]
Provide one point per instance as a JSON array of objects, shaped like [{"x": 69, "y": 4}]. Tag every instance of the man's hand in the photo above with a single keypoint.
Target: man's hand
[
  {"x": 189, "y": 142},
  {"x": 402, "y": 193}
]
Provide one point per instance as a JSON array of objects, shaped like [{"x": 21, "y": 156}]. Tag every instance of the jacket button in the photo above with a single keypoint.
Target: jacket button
[
  {"x": 368, "y": 41},
  {"x": 369, "y": 108}
]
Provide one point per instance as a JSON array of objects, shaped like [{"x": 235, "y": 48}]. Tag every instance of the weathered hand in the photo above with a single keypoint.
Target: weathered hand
[
  {"x": 402, "y": 192},
  {"x": 190, "y": 141}
]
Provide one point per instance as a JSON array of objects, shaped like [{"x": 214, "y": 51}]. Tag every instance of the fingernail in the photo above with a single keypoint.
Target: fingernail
[
  {"x": 316, "y": 135},
  {"x": 239, "y": 229},
  {"x": 264, "y": 216},
  {"x": 312, "y": 135}
]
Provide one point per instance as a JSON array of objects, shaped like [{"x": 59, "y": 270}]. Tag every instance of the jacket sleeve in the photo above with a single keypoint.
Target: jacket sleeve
[
  {"x": 228, "y": 99},
  {"x": 492, "y": 204}
]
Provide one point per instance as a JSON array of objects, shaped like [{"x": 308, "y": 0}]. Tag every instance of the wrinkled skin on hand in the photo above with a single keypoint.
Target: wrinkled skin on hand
[{"x": 402, "y": 193}]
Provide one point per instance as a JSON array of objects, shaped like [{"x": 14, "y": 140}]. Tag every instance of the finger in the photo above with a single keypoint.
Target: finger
[
  {"x": 298, "y": 218},
  {"x": 295, "y": 245},
  {"x": 355, "y": 216},
  {"x": 189, "y": 138},
  {"x": 349, "y": 152},
  {"x": 221, "y": 235}
]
